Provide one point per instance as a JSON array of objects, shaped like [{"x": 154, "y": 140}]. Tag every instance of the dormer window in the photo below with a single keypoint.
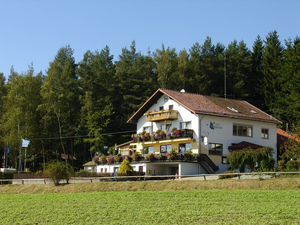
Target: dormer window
[
  {"x": 252, "y": 111},
  {"x": 232, "y": 109}
]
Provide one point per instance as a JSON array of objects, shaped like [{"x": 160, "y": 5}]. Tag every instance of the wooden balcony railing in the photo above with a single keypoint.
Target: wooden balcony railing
[{"x": 161, "y": 115}]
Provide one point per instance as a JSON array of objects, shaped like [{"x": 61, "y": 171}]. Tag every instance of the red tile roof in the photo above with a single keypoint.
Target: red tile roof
[{"x": 207, "y": 105}]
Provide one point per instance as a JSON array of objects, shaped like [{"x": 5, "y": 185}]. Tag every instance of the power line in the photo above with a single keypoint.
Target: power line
[{"x": 79, "y": 136}]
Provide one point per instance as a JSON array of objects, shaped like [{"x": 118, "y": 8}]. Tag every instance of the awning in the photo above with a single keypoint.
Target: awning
[{"x": 243, "y": 144}]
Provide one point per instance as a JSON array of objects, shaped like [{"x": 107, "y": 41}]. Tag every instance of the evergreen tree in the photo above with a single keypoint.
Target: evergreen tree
[
  {"x": 238, "y": 64},
  {"x": 253, "y": 86},
  {"x": 61, "y": 104},
  {"x": 20, "y": 118},
  {"x": 96, "y": 72},
  {"x": 271, "y": 68},
  {"x": 207, "y": 68},
  {"x": 166, "y": 66},
  {"x": 288, "y": 100}
]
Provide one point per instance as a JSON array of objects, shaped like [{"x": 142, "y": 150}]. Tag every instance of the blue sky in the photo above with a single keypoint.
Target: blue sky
[{"x": 32, "y": 31}]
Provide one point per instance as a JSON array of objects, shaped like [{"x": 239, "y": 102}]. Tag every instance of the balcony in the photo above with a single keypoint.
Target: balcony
[
  {"x": 182, "y": 133},
  {"x": 161, "y": 115}
]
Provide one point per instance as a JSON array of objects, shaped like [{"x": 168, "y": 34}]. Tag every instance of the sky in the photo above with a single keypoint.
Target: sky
[{"x": 33, "y": 31}]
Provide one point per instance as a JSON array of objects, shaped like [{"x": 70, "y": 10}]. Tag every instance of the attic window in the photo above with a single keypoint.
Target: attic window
[
  {"x": 232, "y": 109},
  {"x": 252, "y": 111}
]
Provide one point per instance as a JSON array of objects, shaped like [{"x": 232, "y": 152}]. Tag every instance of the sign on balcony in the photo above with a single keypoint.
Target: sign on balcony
[{"x": 162, "y": 115}]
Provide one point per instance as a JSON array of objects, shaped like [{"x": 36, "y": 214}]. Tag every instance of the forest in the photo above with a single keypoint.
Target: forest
[{"x": 76, "y": 109}]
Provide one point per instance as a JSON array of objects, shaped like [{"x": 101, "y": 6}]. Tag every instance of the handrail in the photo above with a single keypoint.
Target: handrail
[{"x": 204, "y": 157}]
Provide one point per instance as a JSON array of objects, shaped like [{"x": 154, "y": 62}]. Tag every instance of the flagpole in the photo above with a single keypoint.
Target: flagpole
[
  {"x": 5, "y": 162},
  {"x": 4, "y": 158},
  {"x": 25, "y": 159},
  {"x": 20, "y": 161}
]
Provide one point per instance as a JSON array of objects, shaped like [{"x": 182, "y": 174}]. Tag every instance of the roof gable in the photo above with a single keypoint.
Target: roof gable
[{"x": 207, "y": 105}]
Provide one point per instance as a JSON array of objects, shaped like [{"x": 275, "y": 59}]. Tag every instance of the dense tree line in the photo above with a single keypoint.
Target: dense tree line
[{"x": 78, "y": 108}]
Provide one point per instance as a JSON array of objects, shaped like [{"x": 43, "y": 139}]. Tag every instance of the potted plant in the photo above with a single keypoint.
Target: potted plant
[
  {"x": 157, "y": 134},
  {"x": 96, "y": 159},
  {"x": 134, "y": 137},
  {"x": 118, "y": 157},
  {"x": 167, "y": 155},
  {"x": 158, "y": 156},
  {"x": 135, "y": 156},
  {"x": 110, "y": 159},
  {"x": 150, "y": 157},
  {"x": 102, "y": 159},
  {"x": 162, "y": 134},
  {"x": 146, "y": 136},
  {"x": 175, "y": 132},
  {"x": 173, "y": 154},
  {"x": 189, "y": 155}
]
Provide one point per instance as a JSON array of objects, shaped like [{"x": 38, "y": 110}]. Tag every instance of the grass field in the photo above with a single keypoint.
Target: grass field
[{"x": 274, "y": 201}]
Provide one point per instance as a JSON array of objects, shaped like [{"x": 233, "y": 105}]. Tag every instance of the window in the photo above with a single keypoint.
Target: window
[
  {"x": 242, "y": 130},
  {"x": 150, "y": 149},
  {"x": 170, "y": 107},
  {"x": 147, "y": 129},
  {"x": 161, "y": 108},
  {"x": 165, "y": 148},
  {"x": 215, "y": 149},
  {"x": 169, "y": 127},
  {"x": 185, "y": 147},
  {"x": 185, "y": 125},
  {"x": 264, "y": 133}
]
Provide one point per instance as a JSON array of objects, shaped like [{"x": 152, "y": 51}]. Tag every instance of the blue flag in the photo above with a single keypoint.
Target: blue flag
[
  {"x": 25, "y": 143},
  {"x": 7, "y": 149}
]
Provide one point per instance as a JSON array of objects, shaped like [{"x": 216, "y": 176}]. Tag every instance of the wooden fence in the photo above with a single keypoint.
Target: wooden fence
[{"x": 145, "y": 178}]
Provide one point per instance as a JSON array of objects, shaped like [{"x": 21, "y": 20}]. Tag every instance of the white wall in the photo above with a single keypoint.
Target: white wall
[
  {"x": 188, "y": 168},
  {"x": 223, "y": 132},
  {"x": 183, "y": 116}
]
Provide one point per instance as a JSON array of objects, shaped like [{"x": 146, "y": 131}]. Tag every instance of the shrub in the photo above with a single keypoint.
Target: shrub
[
  {"x": 281, "y": 165},
  {"x": 58, "y": 171},
  {"x": 267, "y": 164},
  {"x": 293, "y": 165},
  {"x": 125, "y": 167}
]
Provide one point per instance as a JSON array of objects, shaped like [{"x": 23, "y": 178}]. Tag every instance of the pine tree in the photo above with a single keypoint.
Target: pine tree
[{"x": 271, "y": 69}]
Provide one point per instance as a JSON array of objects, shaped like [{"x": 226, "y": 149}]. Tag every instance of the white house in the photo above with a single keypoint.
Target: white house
[{"x": 209, "y": 127}]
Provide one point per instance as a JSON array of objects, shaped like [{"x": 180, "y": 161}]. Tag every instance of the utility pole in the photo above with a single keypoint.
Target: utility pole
[{"x": 224, "y": 75}]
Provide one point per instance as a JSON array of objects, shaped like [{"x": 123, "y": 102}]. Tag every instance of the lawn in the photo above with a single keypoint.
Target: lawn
[{"x": 153, "y": 207}]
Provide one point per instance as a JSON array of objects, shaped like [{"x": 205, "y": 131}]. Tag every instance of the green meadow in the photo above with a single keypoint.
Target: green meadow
[{"x": 212, "y": 203}]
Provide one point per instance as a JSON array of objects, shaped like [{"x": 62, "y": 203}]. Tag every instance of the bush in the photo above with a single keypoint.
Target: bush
[
  {"x": 58, "y": 171},
  {"x": 281, "y": 165},
  {"x": 125, "y": 166},
  {"x": 267, "y": 164},
  {"x": 293, "y": 165}
]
